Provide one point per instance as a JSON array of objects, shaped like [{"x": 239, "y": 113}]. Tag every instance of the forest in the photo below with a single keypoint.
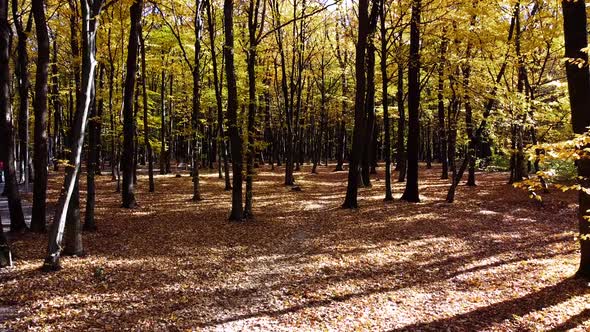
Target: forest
[{"x": 294, "y": 165}]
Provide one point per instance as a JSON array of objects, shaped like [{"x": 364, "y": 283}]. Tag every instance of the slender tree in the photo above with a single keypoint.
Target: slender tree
[
  {"x": 93, "y": 152},
  {"x": 90, "y": 12},
  {"x": 411, "y": 192},
  {"x": 442, "y": 130},
  {"x": 256, "y": 13},
  {"x": 196, "y": 71},
  {"x": 370, "y": 121},
  {"x": 23, "y": 83},
  {"x": 146, "y": 129},
  {"x": 221, "y": 136},
  {"x": 41, "y": 113},
  {"x": 350, "y": 202},
  {"x": 17, "y": 219},
  {"x": 385, "y": 101},
  {"x": 127, "y": 160},
  {"x": 232, "y": 112}
]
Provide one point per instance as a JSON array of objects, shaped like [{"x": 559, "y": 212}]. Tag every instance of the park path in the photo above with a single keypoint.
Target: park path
[{"x": 4, "y": 213}]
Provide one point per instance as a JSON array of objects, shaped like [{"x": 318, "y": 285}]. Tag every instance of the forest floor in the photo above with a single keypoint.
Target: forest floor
[{"x": 493, "y": 260}]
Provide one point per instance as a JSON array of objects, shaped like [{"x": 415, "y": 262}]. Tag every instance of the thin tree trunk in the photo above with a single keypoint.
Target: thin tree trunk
[
  {"x": 146, "y": 129},
  {"x": 92, "y": 161},
  {"x": 385, "y": 101},
  {"x": 90, "y": 10},
  {"x": 17, "y": 220},
  {"x": 401, "y": 166},
  {"x": 196, "y": 115},
  {"x": 41, "y": 113},
  {"x": 442, "y": 130},
  {"x": 58, "y": 134},
  {"x": 232, "y": 112},
  {"x": 218, "y": 87},
  {"x": 350, "y": 202},
  {"x": 127, "y": 157},
  {"x": 411, "y": 192},
  {"x": 22, "y": 74},
  {"x": 368, "y": 151}
]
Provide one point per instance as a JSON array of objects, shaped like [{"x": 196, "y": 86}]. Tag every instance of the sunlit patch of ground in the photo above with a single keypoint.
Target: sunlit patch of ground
[{"x": 493, "y": 260}]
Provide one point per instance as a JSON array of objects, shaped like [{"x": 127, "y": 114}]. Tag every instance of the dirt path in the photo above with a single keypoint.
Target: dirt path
[{"x": 494, "y": 260}]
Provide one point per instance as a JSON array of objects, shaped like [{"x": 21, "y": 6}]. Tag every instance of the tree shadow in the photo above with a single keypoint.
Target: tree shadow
[
  {"x": 573, "y": 321},
  {"x": 482, "y": 318}
]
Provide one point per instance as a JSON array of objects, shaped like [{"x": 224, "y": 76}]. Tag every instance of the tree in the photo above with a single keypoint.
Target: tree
[
  {"x": 350, "y": 201},
  {"x": 256, "y": 13},
  {"x": 218, "y": 96},
  {"x": 90, "y": 12},
  {"x": 411, "y": 192},
  {"x": 232, "y": 112},
  {"x": 127, "y": 157},
  {"x": 578, "y": 79},
  {"x": 17, "y": 219},
  {"x": 442, "y": 132},
  {"x": 23, "y": 83},
  {"x": 93, "y": 152},
  {"x": 385, "y": 101},
  {"x": 196, "y": 71},
  {"x": 41, "y": 113},
  {"x": 146, "y": 130}
]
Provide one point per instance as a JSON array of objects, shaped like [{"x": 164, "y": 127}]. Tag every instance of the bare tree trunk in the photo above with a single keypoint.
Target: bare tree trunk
[
  {"x": 385, "y": 101},
  {"x": 92, "y": 161},
  {"x": 196, "y": 100},
  {"x": 58, "y": 130},
  {"x": 90, "y": 10},
  {"x": 218, "y": 87},
  {"x": 442, "y": 130},
  {"x": 17, "y": 220},
  {"x": 146, "y": 129},
  {"x": 411, "y": 192},
  {"x": 232, "y": 112},
  {"x": 576, "y": 41},
  {"x": 41, "y": 112},
  {"x": 22, "y": 74},
  {"x": 127, "y": 157},
  {"x": 401, "y": 165},
  {"x": 350, "y": 202}
]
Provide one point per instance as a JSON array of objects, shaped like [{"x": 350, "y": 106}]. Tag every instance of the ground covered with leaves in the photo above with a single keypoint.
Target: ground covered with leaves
[{"x": 493, "y": 260}]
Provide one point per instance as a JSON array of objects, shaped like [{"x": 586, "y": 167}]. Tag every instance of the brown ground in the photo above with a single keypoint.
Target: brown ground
[{"x": 494, "y": 260}]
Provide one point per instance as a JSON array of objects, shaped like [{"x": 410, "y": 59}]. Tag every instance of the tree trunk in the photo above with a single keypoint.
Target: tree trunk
[
  {"x": 127, "y": 157},
  {"x": 350, "y": 202},
  {"x": 17, "y": 220},
  {"x": 218, "y": 96},
  {"x": 411, "y": 191},
  {"x": 22, "y": 74},
  {"x": 93, "y": 150},
  {"x": 58, "y": 134},
  {"x": 401, "y": 166},
  {"x": 232, "y": 112},
  {"x": 468, "y": 109},
  {"x": 196, "y": 114},
  {"x": 385, "y": 101},
  {"x": 442, "y": 130},
  {"x": 578, "y": 78},
  {"x": 90, "y": 11},
  {"x": 73, "y": 230},
  {"x": 146, "y": 129},
  {"x": 41, "y": 113}
]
